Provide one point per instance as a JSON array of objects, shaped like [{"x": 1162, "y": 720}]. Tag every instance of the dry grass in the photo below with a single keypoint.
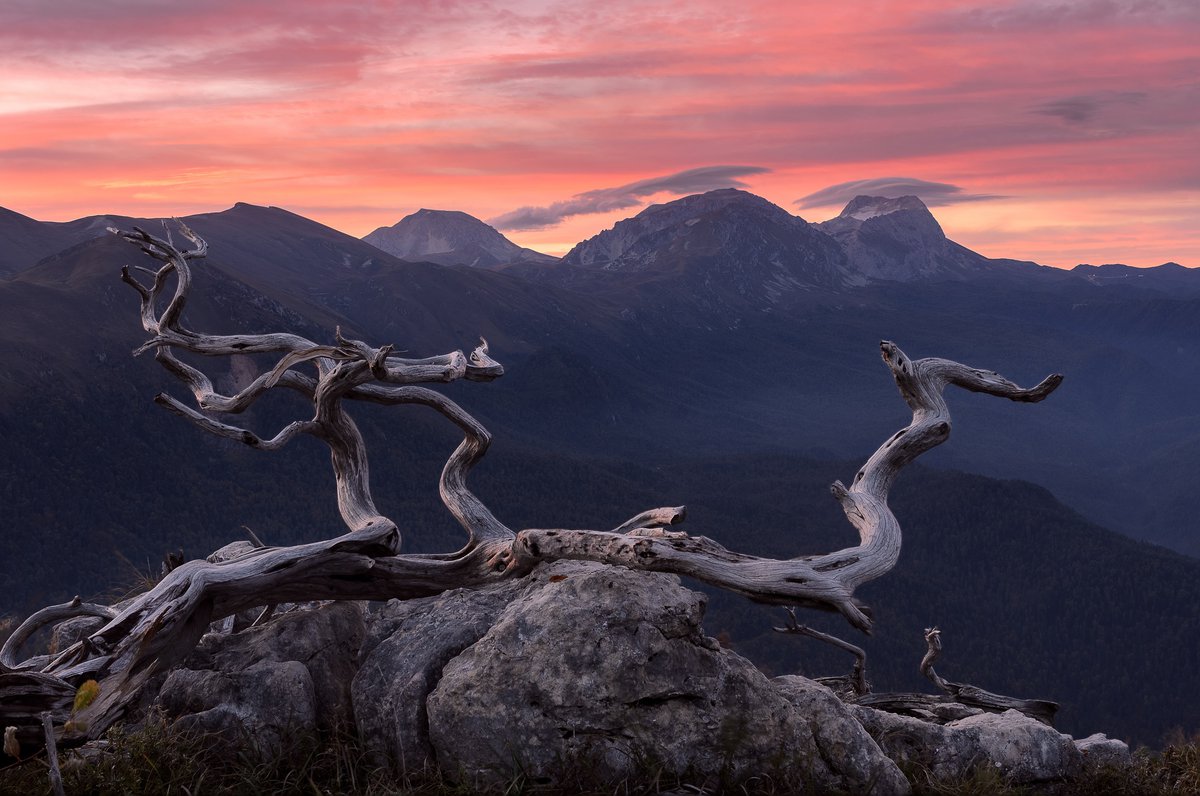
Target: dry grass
[
  {"x": 1173, "y": 771},
  {"x": 155, "y": 759}
]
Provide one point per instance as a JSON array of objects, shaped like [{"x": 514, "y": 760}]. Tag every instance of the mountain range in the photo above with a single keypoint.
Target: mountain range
[
  {"x": 618, "y": 330},
  {"x": 702, "y": 337},
  {"x": 748, "y": 286}
]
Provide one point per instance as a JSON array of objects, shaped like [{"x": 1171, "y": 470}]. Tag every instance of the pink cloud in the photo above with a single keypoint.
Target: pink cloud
[{"x": 491, "y": 106}]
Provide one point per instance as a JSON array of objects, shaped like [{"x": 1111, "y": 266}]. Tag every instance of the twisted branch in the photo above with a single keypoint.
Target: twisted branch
[
  {"x": 155, "y": 630},
  {"x": 823, "y": 581},
  {"x": 1041, "y": 709}
]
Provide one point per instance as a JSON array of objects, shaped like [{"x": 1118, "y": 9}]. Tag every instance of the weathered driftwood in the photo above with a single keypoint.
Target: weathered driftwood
[
  {"x": 50, "y": 615},
  {"x": 958, "y": 697},
  {"x": 155, "y": 630},
  {"x": 56, "y": 783},
  {"x": 1040, "y": 709}
]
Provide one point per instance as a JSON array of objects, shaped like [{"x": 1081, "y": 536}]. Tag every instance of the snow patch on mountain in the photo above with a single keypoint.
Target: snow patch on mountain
[{"x": 897, "y": 239}]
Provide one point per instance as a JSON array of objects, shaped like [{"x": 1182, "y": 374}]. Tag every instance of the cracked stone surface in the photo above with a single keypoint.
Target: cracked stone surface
[
  {"x": 608, "y": 671},
  {"x": 264, "y": 709},
  {"x": 408, "y": 643}
]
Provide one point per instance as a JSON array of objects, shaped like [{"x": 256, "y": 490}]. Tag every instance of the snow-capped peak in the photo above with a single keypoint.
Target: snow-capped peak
[{"x": 862, "y": 208}]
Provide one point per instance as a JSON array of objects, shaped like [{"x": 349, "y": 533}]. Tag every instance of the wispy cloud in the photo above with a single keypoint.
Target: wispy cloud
[
  {"x": 1084, "y": 108},
  {"x": 1043, "y": 15},
  {"x": 501, "y": 104},
  {"x": 603, "y": 200},
  {"x": 931, "y": 193}
]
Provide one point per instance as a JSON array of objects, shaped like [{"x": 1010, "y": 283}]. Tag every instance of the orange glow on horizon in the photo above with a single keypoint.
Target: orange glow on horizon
[{"x": 1077, "y": 122}]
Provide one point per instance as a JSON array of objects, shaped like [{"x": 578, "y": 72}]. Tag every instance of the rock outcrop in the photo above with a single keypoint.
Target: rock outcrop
[
  {"x": 579, "y": 673},
  {"x": 1023, "y": 750},
  {"x": 409, "y": 645},
  {"x": 899, "y": 240}
]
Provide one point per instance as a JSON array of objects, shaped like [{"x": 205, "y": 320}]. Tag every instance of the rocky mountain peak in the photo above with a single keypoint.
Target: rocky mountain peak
[
  {"x": 725, "y": 247},
  {"x": 450, "y": 237},
  {"x": 861, "y": 208},
  {"x": 897, "y": 239},
  {"x": 632, "y": 244}
]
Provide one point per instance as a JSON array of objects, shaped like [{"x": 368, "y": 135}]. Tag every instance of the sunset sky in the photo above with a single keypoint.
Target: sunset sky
[{"x": 1061, "y": 131}]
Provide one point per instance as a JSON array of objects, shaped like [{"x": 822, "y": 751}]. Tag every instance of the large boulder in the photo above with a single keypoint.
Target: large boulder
[
  {"x": 408, "y": 644},
  {"x": 576, "y": 675},
  {"x": 604, "y": 672},
  {"x": 1022, "y": 750}
]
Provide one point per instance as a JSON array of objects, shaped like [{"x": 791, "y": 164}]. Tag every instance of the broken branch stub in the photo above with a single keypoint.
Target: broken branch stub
[
  {"x": 1041, "y": 709},
  {"x": 158, "y": 628}
]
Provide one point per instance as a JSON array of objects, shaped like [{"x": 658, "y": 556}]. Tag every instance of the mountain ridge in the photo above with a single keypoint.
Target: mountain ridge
[{"x": 646, "y": 358}]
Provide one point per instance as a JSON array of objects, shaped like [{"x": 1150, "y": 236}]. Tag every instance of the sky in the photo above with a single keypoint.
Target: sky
[{"x": 1059, "y": 131}]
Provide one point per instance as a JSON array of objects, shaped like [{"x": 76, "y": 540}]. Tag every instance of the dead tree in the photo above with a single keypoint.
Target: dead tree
[{"x": 160, "y": 627}]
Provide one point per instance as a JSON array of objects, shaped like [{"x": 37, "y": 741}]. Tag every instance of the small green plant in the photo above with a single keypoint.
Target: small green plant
[{"x": 86, "y": 695}]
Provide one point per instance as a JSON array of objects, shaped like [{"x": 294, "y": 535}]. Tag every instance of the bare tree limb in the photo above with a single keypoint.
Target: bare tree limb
[
  {"x": 1040, "y": 709},
  {"x": 155, "y": 630},
  {"x": 50, "y": 615},
  {"x": 827, "y": 580},
  {"x": 858, "y": 676},
  {"x": 56, "y": 783}
]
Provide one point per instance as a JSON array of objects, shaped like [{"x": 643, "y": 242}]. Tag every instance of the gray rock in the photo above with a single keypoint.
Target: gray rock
[
  {"x": 326, "y": 641},
  {"x": 407, "y": 645},
  {"x": 842, "y": 742},
  {"x": 67, "y": 633},
  {"x": 1021, "y": 749},
  {"x": 577, "y": 674},
  {"x": 1099, "y": 752},
  {"x": 266, "y": 709},
  {"x": 271, "y": 685},
  {"x": 602, "y": 674}
]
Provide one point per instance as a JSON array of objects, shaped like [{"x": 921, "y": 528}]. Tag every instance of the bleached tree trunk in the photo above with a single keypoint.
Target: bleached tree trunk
[{"x": 157, "y": 629}]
